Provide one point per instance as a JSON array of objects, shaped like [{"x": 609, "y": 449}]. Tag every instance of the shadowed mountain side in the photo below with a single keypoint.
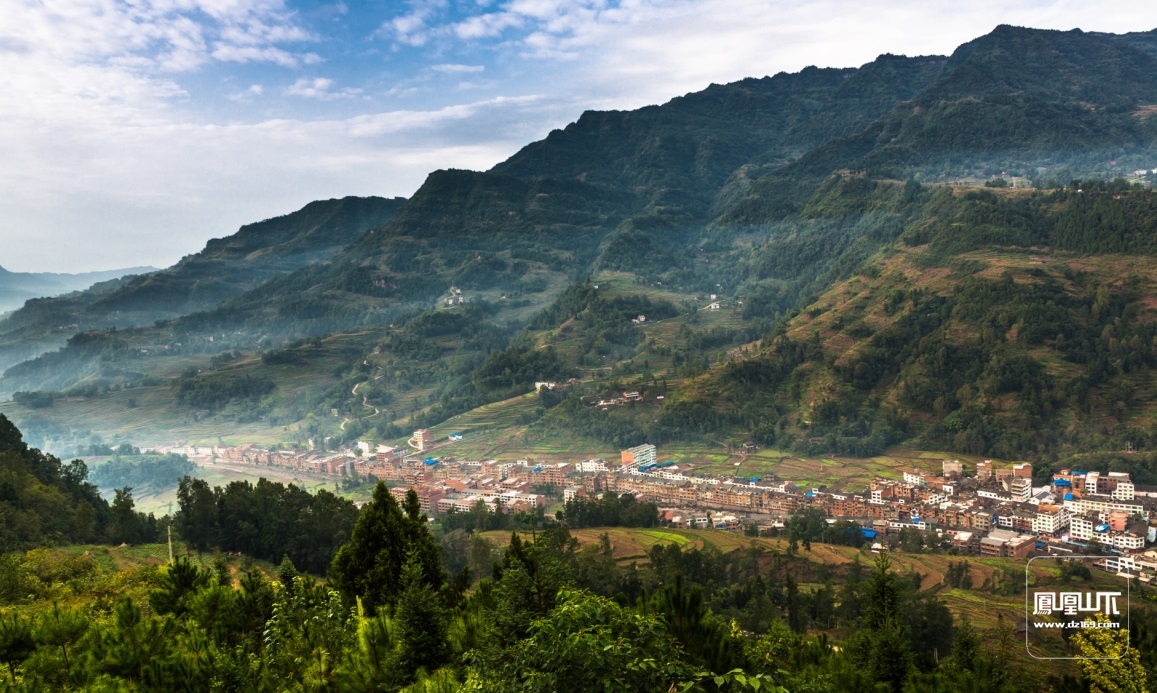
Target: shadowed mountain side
[
  {"x": 476, "y": 231},
  {"x": 676, "y": 156},
  {"x": 1046, "y": 105}
]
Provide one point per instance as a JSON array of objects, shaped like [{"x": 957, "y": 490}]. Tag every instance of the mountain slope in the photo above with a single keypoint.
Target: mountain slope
[
  {"x": 676, "y": 156},
  {"x": 484, "y": 233},
  {"x": 1001, "y": 324}
]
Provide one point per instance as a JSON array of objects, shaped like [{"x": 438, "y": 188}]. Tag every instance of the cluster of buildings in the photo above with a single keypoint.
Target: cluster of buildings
[{"x": 996, "y": 512}]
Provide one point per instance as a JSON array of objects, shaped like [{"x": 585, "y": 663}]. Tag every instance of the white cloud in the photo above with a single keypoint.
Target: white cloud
[
  {"x": 319, "y": 88},
  {"x": 247, "y": 95},
  {"x": 254, "y": 54},
  {"x": 104, "y": 194},
  {"x": 458, "y": 69},
  {"x": 641, "y": 51},
  {"x": 412, "y": 28}
]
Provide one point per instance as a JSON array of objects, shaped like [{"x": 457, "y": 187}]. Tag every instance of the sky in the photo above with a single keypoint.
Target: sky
[{"x": 132, "y": 131}]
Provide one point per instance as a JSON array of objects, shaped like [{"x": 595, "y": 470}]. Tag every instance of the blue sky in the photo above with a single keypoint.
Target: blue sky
[{"x": 135, "y": 130}]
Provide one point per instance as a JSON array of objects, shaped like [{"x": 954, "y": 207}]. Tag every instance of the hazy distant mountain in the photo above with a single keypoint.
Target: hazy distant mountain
[
  {"x": 18, "y": 287},
  {"x": 225, "y": 268}
]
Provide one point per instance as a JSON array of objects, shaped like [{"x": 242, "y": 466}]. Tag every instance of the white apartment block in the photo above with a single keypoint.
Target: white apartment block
[
  {"x": 914, "y": 479},
  {"x": 1084, "y": 529},
  {"x": 592, "y": 466},
  {"x": 639, "y": 455},
  {"x": 1080, "y": 528},
  {"x": 1050, "y": 522},
  {"x": 1021, "y": 488},
  {"x": 1126, "y": 541},
  {"x": 1080, "y": 506},
  {"x": 1124, "y": 491}
]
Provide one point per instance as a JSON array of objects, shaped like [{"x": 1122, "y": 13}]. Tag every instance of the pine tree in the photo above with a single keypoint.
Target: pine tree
[
  {"x": 16, "y": 642},
  {"x": 420, "y": 622},
  {"x": 370, "y": 564}
]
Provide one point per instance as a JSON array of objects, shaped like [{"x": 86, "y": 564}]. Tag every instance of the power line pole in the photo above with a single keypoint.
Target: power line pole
[{"x": 170, "y": 528}]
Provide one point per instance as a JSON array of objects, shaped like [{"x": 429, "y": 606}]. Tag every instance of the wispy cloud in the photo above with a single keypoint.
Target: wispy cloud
[
  {"x": 319, "y": 88},
  {"x": 635, "y": 51},
  {"x": 412, "y": 28},
  {"x": 458, "y": 69}
]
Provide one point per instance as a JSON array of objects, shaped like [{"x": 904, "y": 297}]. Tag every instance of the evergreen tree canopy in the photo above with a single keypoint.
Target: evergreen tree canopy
[{"x": 370, "y": 565}]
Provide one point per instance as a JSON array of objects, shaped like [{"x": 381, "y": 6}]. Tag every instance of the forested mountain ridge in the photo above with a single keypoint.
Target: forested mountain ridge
[
  {"x": 1042, "y": 105},
  {"x": 681, "y": 153}
]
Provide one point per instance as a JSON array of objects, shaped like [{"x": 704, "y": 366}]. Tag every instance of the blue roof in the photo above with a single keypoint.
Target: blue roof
[
  {"x": 1102, "y": 528},
  {"x": 755, "y": 479},
  {"x": 915, "y": 520},
  {"x": 1068, "y": 496},
  {"x": 810, "y": 495},
  {"x": 537, "y": 469},
  {"x": 869, "y": 533},
  {"x": 1077, "y": 471},
  {"x": 1062, "y": 482}
]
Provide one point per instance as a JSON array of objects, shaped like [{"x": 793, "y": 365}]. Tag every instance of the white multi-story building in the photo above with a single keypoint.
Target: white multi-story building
[
  {"x": 1020, "y": 488},
  {"x": 1081, "y": 528},
  {"x": 1050, "y": 519},
  {"x": 1091, "y": 480},
  {"x": 1080, "y": 506},
  {"x": 639, "y": 455},
  {"x": 592, "y": 466},
  {"x": 1124, "y": 491},
  {"x": 1125, "y": 541}
]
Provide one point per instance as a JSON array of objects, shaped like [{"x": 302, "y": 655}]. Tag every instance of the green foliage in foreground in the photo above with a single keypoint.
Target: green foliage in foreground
[{"x": 533, "y": 627}]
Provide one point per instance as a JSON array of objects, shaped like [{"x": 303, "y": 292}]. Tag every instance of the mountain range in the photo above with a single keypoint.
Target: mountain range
[{"x": 929, "y": 250}]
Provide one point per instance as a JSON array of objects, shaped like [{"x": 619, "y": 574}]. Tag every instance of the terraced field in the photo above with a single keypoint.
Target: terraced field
[{"x": 496, "y": 415}]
